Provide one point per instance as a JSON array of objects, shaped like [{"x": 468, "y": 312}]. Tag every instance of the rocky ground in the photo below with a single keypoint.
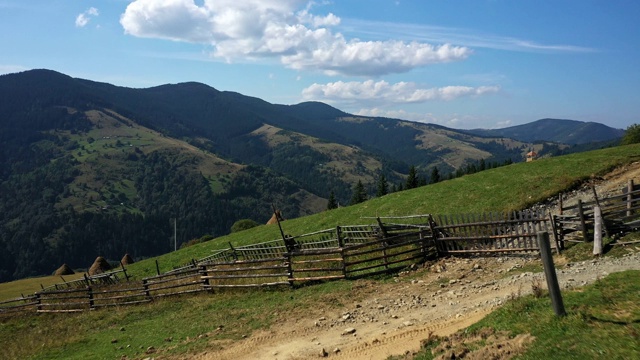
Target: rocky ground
[{"x": 438, "y": 298}]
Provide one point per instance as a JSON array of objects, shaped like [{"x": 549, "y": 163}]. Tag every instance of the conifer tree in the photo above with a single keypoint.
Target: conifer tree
[
  {"x": 333, "y": 204},
  {"x": 359, "y": 194},
  {"x": 412, "y": 178},
  {"x": 435, "y": 175},
  {"x": 383, "y": 186}
]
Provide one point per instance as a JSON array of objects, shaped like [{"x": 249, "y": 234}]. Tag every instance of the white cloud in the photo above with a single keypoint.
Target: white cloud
[
  {"x": 382, "y": 92},
  {"x": 83, "y": 19},
  {"x": 462, "y": 36},
  {"x": 252, "y": 29},
  {"x": 455, "y": 121}
]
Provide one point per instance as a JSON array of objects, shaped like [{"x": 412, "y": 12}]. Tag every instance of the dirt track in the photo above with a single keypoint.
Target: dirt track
[{"x": 438, "y": 298}]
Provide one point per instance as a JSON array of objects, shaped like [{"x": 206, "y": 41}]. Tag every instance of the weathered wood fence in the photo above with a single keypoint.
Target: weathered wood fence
[
  {"x": 491, "y": 232},
  {"x": 343, "y": 252},
  {"x": 620, "y": 214}
]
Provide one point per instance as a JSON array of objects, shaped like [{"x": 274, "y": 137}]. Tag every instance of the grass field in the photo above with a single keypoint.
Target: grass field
[{"x": 129, "y": 331}]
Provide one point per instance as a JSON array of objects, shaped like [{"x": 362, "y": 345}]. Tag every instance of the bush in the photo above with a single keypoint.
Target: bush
[
  {"x": 632, "y": 135},
  {"x": 243, "y": 224}
]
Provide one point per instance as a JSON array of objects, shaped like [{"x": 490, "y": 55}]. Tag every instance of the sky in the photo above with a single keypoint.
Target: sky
[{"x": 460, "y": 63}]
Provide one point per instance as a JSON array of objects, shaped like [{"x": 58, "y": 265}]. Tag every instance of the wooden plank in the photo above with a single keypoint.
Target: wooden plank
[
  {"x": 252, "y": 268},
  {"x": 191, "y": 283},
  {"x": 124, "y": 303},
  {"x": 243, "y": 276},
  {"x": 316, "y": 278},
  {"x": 316, "y": 261}
]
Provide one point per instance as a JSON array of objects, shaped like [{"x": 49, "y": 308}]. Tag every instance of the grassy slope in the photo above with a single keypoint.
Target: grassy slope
[
  {"x": 239, "y": 313},
  {"x": 503, "y": 189}
]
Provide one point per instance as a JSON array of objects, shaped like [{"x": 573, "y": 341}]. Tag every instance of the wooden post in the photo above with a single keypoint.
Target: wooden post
[
  {"x": 290, "y": 267},
  {"x": 344, "y": 262},
  {"x": 560, "y": 202},
  {"x": 583, "y": 223},
  {"x": 91, "y": 303},
  {"x": 203, "y": 273},
  {"x": 124, "y": 270},
  {"x": 233, "y": 252},
  {"x": 157, "y": 268},
  {"x": 550, "y": 274},
  {"x": 38, "y": 302},
  {"x": 597, "y": 231},
  {"x": 339, "y": 236},
  {"x": 382, "y": 229},
  {"x": 603, "y": 226},
  {"x": 145, "y": 287},
  {"x": 86, "y": 279},
  {"x": 629, "y": 197},
  {"x": 434, "y": 234},
  {"x": 384, "y": 254}
]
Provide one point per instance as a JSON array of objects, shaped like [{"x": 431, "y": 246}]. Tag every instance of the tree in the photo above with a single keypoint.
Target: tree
[
  {"x": 412, "y": 178},
  {"x": 632, "y": 135},
  {"x": 333, "y": 204},
  {"x": 383, "y": 186},
  {"x": 435, "y": 175},
  {"x": 359, "y": 194}
]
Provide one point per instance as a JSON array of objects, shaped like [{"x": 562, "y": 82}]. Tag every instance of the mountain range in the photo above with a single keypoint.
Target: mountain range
[{"x": 89, "y": 168}]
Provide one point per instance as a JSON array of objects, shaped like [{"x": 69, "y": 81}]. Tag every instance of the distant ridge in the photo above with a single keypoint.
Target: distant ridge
[{"x": 563, "y": 131}]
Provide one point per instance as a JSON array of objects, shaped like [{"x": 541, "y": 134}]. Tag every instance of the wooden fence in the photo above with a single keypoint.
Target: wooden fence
[
  {"x": 343, "y": 252},
  {"x": 619, "y": 212},
  {"x": 491, "y": 232}
]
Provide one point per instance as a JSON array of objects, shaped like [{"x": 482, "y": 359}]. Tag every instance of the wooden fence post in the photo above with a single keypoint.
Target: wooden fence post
[
  {"x": 339, "y": 236},
  {"x": 233, "y": 252},
  {"x": 38, "y": 302},
  {"x": 550, "y": 274},
  {"x": 344, "y": 262},
  {"x": 597, "y": 231},
  {"x": 91, "y": 303},
  {"x": 289, "y": 258},
  {"x": 145, "y": 287},
  {"x": 560, "y": 203},
  {"x": 629, "y": 197},
  {"x": 434, "y": 235},
  {"x": 203, "y": 273},
  {"x": 157, "y": 268},
  {"x": 583, "y": 222},
  {"x": 124, "y": 270}
]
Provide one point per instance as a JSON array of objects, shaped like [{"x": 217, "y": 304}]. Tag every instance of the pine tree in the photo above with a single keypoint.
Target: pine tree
[
  {"x": 383, "y": 186},
  {"x": 359, "y": 194},
  {"x": 333, "y": 204},
  {"x": 412, "y": 178},
  {"x": 435, "y": 175}
]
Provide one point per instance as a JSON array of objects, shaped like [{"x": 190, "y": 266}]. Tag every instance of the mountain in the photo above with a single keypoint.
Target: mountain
[
  {"x": 570, "y": 132},
  {"x": 89, "y": 168}
]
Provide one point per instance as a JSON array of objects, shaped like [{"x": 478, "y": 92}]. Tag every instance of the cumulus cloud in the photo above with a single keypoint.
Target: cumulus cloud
[
  {"x": 383, "y": 92},
  {"x": 284, "y": 29},
  {"x": 83, "y": 19}
]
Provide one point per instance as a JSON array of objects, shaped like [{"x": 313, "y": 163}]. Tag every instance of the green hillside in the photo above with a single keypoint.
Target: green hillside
[{"x": 508, "y": 188}]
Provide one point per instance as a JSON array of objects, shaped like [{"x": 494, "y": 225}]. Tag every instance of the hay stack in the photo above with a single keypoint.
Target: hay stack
[
  {"x": 99, "y": 266},
  {"x": 127, "y": 259},
  {"x": 64, "y": 270}
]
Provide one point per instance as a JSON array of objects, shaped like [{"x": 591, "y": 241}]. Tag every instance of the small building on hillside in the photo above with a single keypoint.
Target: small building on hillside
[{"x": 531, "y": 155}]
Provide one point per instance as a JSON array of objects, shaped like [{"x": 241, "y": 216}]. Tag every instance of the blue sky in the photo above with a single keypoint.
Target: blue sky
[{"x": 460, "y": 63}]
